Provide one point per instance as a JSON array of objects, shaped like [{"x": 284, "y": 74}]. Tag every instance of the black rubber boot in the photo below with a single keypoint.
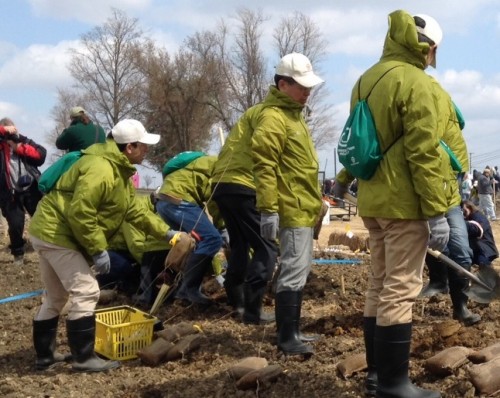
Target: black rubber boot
[
  {"x": 307, "y": 338},
  {"x": 392, "y": 357},
  {"x": 253, "y": 314},
  {"x": 288, "y": 307},
  {"x": 81, "y": 340},
  {"x": 235, "y": 296},
  {"x": 458, "y": 287},
  {"x": 192, "y": 277},
  {"x": 371, "y": 375},
  {"x": 44, "y": 341},
  {"x": 438, "y": 277}
]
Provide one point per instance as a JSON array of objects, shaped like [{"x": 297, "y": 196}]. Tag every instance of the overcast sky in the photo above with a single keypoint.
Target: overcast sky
[{"x": 36, "y": 35}]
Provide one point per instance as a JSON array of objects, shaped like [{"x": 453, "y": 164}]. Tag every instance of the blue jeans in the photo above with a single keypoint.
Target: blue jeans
[
  {"x": 458, "y": 246},
  {"x": 187, "y": 217}
]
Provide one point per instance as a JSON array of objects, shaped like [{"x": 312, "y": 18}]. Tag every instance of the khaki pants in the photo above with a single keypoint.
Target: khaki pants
[
  {"x": 65, "y": 272},
  {"x": 398, "y": 249}
]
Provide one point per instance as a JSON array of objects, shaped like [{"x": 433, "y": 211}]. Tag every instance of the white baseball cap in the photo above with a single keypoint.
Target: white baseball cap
[
  {"x": 130, "y": 130},
  {"x": 299, "y": 68},
  {"x": 431, "y": 29}
]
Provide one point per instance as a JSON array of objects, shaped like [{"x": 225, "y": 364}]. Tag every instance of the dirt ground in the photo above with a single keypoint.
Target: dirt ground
[{"x": 333, "y": 305}]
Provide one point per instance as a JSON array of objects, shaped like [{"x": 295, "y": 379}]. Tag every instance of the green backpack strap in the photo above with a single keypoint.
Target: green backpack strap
[{"x": 51, "y": 175}]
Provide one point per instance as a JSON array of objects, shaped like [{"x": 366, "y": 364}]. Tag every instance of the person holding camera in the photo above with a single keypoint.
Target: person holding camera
[
  {"x": 81, "y": 133},
  {"x": 20, "y": 158}
]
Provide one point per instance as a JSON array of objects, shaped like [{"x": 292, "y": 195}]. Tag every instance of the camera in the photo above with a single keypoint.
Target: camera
[{"x": 10, "y": 136}]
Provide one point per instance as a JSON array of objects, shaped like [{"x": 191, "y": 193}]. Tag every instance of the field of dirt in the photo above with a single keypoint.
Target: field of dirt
[{"x": 333, "y": 305}]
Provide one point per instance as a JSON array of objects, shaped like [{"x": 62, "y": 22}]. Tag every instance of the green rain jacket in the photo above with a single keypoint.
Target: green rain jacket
[
  {"x": 193, "y": 184},
  {"x": 90, "y": 202},
  {"x": 411, "y": 180},
  {"x": 454, "y": 138},
  {"x": 134, "y": 240},
  {"x": 234, "y": 163},
  {"x": 285, "y": 163}
]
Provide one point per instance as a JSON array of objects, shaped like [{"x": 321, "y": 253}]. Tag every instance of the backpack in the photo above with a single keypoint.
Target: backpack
[
  {"x": 180, "y": 161},
  {"x": 359, "y": 148},
  {"x": 49, "y": 177}
]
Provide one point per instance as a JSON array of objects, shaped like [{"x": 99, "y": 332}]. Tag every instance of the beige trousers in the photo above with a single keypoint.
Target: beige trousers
[
  {"x": 398, "y": 250},
  {"x": 65, "y": 272}
]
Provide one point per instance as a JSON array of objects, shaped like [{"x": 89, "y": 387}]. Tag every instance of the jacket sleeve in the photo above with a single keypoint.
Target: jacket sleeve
[
  {"x": 33, "y": 153},
  {"x": 146, "y": 221},
  {"x": 62, "y": 142}
]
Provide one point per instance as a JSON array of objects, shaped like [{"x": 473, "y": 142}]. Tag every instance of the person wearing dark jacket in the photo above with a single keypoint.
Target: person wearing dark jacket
[
  {"x": 481, "y": 239},
  {"x": 81, "y": 133},
  {"x": 20, "y": 158}
]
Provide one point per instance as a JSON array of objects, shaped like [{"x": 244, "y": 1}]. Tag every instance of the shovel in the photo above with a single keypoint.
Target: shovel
[{"x": 486, "y": 284}]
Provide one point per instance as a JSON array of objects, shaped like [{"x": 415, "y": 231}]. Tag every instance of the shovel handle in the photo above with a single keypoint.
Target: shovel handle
[{"x": 452, "y": 264}]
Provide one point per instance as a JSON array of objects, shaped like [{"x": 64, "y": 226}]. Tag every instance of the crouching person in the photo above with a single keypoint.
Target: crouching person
[{"x": 70, "y": 230}]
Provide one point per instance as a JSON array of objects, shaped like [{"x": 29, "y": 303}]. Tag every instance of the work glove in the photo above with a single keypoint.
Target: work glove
[
  {"x": 102, "y": 263},
  {"x": 339, "y": 190},
  {"x": 440, "y": 233},
  {"x": 225, "y": 237},
  {"x": 269, "y": 224}
]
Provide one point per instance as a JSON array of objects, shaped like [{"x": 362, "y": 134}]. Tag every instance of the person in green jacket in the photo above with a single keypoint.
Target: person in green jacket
[
  {"x": 252, "y": 258},
  {"x": 135, "y": 257},
  {"x": 81, "y": 133},
  {"x": 71, "y": 229},
  {"x": 181, "y": 203},
  {"x": 406, "y": 197},
  {"x": 285, "y": 169},
  {"x": 441, "y": 278}
]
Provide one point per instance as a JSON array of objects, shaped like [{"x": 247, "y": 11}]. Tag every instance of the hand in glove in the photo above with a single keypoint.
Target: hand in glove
[
  {"x": 225, "y": 237},
  {"x": 102, "y": 263},
  {"x": 440, "y": 233},
  {"x": 269, "y": 225},
  {"x": 339, "y": 190}
]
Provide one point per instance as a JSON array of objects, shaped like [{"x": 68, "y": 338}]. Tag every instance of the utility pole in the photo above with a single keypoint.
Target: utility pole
[
  {"x": 335, "y": 161},
  {"x": 470, "y": 162}
]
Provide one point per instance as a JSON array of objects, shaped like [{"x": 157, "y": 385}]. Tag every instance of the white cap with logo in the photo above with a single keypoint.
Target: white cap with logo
[
  {"x": 299, "y": 68},
  {"x": 129, "y": 130}
]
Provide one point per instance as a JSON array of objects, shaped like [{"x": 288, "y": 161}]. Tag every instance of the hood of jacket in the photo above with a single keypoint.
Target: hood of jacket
[{"x": 401, "y": 42}]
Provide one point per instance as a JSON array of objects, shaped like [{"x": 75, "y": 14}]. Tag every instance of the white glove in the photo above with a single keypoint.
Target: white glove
[
  {"x": 225, "y": 237},
  {"x": 102, "y": 263},
  {"x": 440, "y": 233},
  {"x": 339, "y": 190},
  {"x": 269, "y": 225}
]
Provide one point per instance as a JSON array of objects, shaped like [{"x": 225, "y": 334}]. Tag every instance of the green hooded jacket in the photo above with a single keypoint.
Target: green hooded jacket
[
  {"x": 411, "y": 180},
  {"x": 193, "y": 184},
  {"x": 285, "y": 163},
  {"x": 134, "y": 240},
  {"x": 453, "y": 137},
  {"x": 234, "y": 163},
  {"x": 90, "y": 202}
]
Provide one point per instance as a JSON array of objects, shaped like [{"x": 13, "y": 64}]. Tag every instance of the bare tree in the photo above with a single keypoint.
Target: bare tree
[
  {"x": 181, "y": 90},
  {"x": 299, "y": 33},
  {"x": 105, "y": 69},
  {"x": 242, "y": 64}
]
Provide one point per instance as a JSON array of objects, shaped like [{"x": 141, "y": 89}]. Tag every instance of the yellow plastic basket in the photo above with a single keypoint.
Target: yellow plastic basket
[{"x": 122, "y": 331}]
